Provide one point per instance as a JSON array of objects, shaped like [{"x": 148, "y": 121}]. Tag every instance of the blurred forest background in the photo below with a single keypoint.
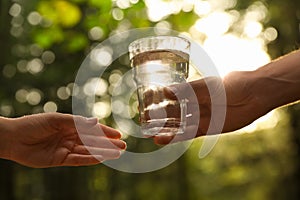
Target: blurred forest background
[{"x": 43, "y": 43}]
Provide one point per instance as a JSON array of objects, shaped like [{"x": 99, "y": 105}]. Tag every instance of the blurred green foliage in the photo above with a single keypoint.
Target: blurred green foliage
[{"x": 43, "y": 43}]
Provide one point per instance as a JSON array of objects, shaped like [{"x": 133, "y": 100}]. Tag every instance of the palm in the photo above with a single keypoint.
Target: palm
[
  {"x": 45, "y": 144},
  {"x": 53, "y": 140}
]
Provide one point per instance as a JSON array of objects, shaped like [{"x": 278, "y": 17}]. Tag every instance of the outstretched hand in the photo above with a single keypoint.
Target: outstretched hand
[
  {"x": 231, "y": 95},
  {"x": 53, "y": 139}
]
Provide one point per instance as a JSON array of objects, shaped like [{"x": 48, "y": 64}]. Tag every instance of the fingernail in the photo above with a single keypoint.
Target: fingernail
[
  {"x": 173, "y": 89},
  {"x": 99, "y": 158},
  {"x": 92, "y": 120}
]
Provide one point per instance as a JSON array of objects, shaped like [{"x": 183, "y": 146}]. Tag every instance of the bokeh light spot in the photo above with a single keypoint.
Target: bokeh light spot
[
  {"x": 270, "y": 34},
  {"x": 96, "y": 33},
  {"x": 123, "y": 4},
  {"x": 9, "y": 71},
  {"x": 118, "y": 107},
  {"x": 101, "y": 109},
  {"x": 34, "y": 18},
  {"x": 50, "y": 106},
  {"x": 102, "y": 56},
  {"x": 15, "y": 10},
  {"x": 21, "y": 66},
  {"x": 35, "y": 66},
  {"x": 35, "y": 50},
  {"x": 34, "y": 97},
  {"x": 21, "y": 95},
  {"x": 62, "y": 93},
  {"x": 48, "y": 57},
  {"x": 117, "y": 14},
  {"x": 102, "y": 87},
  {"x": 6, "y": 110},
  {"x": 253, "y": 29}
]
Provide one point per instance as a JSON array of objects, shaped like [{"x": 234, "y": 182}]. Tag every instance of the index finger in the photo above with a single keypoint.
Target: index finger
[
  {"x": 188, "y": 90},
  {"x": 97, "y": 129},
  {"x": 110, "y": 132}
]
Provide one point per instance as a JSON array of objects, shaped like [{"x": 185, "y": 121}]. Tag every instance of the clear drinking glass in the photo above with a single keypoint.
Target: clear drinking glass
[{"x": 157, "y": 62}]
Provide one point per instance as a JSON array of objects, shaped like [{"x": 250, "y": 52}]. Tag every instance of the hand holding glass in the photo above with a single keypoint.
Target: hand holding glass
[{"x": 159, "y": 62}]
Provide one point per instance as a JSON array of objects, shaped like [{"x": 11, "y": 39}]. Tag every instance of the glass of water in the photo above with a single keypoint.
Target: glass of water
[{"x": 157, "y": 62}]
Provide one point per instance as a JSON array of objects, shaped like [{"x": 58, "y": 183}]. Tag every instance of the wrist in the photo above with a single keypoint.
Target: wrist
[{"x": 6, "y": 137}]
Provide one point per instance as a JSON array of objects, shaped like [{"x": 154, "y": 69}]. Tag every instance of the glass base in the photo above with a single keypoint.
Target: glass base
[{"x": 165, "y": 127}]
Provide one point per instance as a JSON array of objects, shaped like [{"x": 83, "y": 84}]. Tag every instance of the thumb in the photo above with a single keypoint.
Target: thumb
[{"x": 181, "y": 91}]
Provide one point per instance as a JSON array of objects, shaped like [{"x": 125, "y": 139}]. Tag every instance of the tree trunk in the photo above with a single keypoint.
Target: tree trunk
[
  {"x": 294, "y": 191},
  {"x": 6, "y": 180},
  {"x": 7, "y": 168}
]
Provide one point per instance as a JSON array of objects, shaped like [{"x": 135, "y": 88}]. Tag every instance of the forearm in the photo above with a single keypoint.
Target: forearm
[
  {"x": 5, "y": 137},
  {"x": 278, "y": 83}
]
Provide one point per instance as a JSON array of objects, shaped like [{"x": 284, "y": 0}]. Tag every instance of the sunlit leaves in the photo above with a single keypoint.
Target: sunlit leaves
[
  {"x": 75, "y": 41},
  {"x": 78, "y": 1},
  {"x": 60, "y": 12},
  {"x": 47, "y": 37},
  {"x": 183, "y": 20},
  {"x": 54, "y": 37},
  {"x": 103, "y": 5},
  {"x": 58, "y": 15}
]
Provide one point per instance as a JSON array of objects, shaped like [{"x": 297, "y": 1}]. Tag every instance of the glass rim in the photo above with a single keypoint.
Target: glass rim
[{"x": 160, "y": 42}]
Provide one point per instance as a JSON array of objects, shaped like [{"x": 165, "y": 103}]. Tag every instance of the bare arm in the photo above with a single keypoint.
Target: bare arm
[
  {"x": 5, "y": 137},
  {"x": 278, "y": 83},
  {"x": 249, "y": 95},
  {"x": 55, "y": 139}
]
